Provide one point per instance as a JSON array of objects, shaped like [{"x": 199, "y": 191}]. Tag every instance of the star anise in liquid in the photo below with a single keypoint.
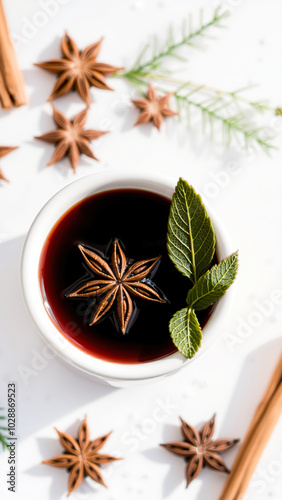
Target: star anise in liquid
[
  {"x": 71, "y": 138},
  {"x": 81, "y": 457},
  {"x": 118, "y": 282},
  {"x": 154, "y": 108},
  {"x": 78, "y": 70},
  {"x": 200, "y": 450}
]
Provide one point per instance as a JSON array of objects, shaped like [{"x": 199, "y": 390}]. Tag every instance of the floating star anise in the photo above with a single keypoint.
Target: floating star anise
[
  {"x": 199, "y": 449},
  {"x": 118, "y": 282},
  {"x": 153, "y": 108},
  {"x": 71, "y": 138},
  {"x": 81, "y": 457},
  {"x": 78, "y": 70},
  {"x": 4, "y": 150}
]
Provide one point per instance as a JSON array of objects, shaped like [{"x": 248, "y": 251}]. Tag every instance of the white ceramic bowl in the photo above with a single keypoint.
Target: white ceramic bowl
[{"x": 116, "y": 374}]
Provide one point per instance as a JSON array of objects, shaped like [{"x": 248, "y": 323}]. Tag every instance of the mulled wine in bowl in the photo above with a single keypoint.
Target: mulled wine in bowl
[{"x": 99, "y": 283}]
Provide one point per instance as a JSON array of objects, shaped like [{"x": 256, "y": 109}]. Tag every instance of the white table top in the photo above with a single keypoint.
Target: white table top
[{"x": 231, "y": 377}]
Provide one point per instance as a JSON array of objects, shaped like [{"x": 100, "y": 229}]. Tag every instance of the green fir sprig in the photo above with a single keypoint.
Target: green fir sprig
[
  {"x": 3, "y": 437},
  {"x": 229, "y": 109},
  {"x": 143, "y": 69},
  {"x": 234, "y": 123},
  {"x": 191, "y": 247}
]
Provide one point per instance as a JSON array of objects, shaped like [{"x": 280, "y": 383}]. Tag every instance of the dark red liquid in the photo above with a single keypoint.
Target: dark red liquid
[{"x": 139, "y": 220}]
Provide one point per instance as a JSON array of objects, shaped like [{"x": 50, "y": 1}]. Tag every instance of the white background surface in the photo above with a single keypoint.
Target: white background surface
[{"x": 230, "y": 378}]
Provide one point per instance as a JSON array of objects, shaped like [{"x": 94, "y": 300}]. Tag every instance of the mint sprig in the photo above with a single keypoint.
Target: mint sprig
[
  {"x": 191, "y": 237},
  {"x": 191, "y": 247}
]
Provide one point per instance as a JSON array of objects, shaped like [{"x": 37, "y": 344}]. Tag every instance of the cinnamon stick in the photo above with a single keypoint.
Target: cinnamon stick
[
  {"x": 262, "y": 425},
  {"x": 12, "y": 92}
]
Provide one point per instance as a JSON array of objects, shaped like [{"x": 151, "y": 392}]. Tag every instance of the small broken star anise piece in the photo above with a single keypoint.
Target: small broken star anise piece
[
  {"x": 154, "y": 108},
  {"x": 4, "y": 150},
  {"x": 71, "y": 138},
  {"x": 118, "y": 282},
  {"x": 78, "y": 70},
  {"x": 81, "y": 457},
  {"x": 200, "y": 450}
]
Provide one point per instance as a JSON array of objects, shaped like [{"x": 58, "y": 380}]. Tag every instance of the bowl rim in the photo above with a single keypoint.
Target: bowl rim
[{"x": 62, "y": 201}]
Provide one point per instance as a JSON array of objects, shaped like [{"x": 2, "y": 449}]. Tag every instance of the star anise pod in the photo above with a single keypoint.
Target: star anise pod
[
  {"x": 81, "y": 457},
  {"x": 199, "y": 449},
  {"x": 154, "y": 108},
  {"x": 118, "y": 282},
  {"x": 71, "y": 138},
  {"x": 4, "y": 150},
  {"x": 78, "y": 70}
]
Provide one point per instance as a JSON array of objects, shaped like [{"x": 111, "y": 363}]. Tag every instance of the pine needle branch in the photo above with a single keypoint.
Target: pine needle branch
[
  {"x": 171, "y": 47},
  {"x": 234, "y": 127},
  {"x": 216, "y": 106},
  {"x": 234, "y": 96}
]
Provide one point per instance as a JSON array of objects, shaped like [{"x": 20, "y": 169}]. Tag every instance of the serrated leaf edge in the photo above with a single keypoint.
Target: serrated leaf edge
[
  {"x": 193, "y": 304},
  {"x": 191, "y": 274},
  {"x": 190, "y": 349}
]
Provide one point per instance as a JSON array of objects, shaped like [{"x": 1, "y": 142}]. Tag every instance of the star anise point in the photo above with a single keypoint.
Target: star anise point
[
  {"x": 78, "y": 70},
  {"x": 3, "y": 176},
  {"x": 81, "y": 457},
  {"x": 153, "y": 108},
  {"x": 5, "y": 150},
  {"x": 199, "y": 449},
  {"x": 70, "y": 137}
]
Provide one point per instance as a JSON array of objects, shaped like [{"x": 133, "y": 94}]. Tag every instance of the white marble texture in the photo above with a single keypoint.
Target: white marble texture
[{"x": 231, "y": 377}]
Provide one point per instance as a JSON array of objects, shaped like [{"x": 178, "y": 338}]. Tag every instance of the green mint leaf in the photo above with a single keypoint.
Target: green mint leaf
[
  {"x": 191, "y": 237},
  {"x": 186, "y": 332},
  {"x": 213, "y": 284}
]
